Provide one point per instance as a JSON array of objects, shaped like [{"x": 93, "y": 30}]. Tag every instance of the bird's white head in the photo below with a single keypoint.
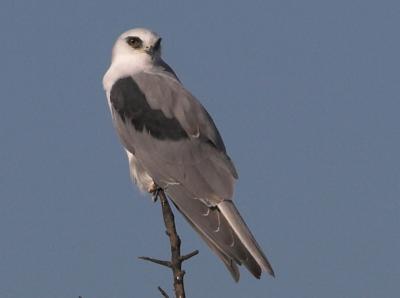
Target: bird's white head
[
  {"x": 137, "y": 44},
  {"x": 135, "y": 50}
]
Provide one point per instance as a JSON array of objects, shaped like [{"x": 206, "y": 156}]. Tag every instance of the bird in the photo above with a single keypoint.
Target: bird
[{"x": 173, "y": 144}]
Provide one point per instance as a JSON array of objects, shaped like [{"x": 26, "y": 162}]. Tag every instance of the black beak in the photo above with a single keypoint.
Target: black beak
[
  {"x": 155, "y": 48},
  {"x": 157, "y": 45}
]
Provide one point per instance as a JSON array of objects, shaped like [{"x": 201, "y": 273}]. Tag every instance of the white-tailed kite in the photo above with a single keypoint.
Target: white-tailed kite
[{"x": 172, "y": 143}]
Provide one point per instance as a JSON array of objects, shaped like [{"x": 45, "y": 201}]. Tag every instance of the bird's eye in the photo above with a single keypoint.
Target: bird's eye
[{"x": 134, "y": 41}]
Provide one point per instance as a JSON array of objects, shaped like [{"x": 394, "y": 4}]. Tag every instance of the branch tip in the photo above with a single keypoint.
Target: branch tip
[
  {"x": 189, "y": 255},
  {"x": 165, "y": 295},
  {"x": 157, "y": 261}
]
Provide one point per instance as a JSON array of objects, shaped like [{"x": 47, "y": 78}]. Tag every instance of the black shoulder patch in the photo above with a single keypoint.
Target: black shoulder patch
[{"x": 131, "y": 104}]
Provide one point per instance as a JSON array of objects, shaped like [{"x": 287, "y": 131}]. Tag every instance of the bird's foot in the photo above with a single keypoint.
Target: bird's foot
[{"x": 155, "y": 192}]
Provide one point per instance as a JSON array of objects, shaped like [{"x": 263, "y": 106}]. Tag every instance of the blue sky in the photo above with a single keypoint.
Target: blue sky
[{"x": 306, "y": 96}]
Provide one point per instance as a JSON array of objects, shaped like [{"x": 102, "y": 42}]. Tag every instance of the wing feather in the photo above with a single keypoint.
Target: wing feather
[{"x": 178, "y": 142}]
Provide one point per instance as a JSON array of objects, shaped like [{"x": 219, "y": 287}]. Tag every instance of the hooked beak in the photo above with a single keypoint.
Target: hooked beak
[{"x": 154, "y": 48}]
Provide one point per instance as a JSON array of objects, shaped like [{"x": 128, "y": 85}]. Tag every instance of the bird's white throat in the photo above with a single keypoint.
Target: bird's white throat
[{"x": 126, "y": 65}]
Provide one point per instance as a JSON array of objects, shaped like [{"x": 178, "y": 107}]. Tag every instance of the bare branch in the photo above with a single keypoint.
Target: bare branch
[
  {"x": 165, "y": 295},
  {"x": 157, "y": 261},
  {"x": 189, "y": 255},
  {"x": 175, "y": 242}
]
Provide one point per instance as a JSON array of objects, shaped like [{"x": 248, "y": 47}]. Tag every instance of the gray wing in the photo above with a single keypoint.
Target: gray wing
[
  {"x": 176, "y": 141},
  {"x": 172, "y": 135}
]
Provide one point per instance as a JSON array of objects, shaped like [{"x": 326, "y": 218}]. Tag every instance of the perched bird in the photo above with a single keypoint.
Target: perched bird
[{"x": 173, "y": 144}]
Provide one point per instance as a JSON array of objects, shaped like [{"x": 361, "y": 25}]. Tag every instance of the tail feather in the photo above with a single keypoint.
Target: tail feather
[
  {"x": 219, "y": 233},
  {"x": 230, "y": 212},
  {"x": 228, "y": 262}
]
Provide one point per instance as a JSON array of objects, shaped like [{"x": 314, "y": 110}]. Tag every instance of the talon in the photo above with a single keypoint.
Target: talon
[{"x": 155, "y": 192}]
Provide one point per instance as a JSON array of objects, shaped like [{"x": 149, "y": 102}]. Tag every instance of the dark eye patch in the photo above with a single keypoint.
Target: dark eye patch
[{"x": 134, "y": 41}]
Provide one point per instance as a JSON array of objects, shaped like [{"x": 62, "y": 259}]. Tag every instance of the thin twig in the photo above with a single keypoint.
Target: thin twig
[
  {"x": 189, "y": 255},
  {"x": 157, "y": 261},
  {"x": 165, "y": 295}
]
